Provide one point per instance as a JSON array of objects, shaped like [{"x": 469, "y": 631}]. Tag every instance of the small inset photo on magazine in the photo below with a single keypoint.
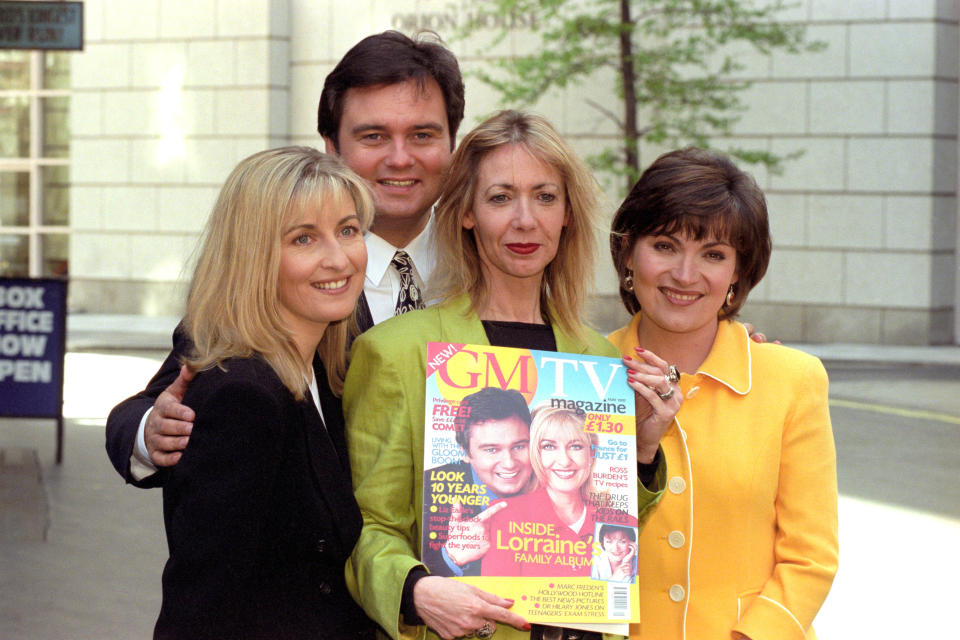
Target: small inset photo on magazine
[{"x": 615, "y": 553}]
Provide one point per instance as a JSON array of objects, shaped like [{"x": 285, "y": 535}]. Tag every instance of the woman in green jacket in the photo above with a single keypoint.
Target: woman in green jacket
[{"x": 514, "y": 196}]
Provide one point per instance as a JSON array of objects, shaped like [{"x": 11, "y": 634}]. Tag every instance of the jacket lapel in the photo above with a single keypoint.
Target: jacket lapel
[
  {"x": 362, "y": 313},
  {"x": 332, "y": 415},
  {"x": 327, "y": 450},
  {"x": 568, "y": 344},
  {"x": 460, "y": 325},
  {"x": 729, "y": 361}
]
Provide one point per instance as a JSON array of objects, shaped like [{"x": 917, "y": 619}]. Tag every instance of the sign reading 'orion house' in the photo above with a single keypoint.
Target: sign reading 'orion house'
[{"x": 448, "y": 20}]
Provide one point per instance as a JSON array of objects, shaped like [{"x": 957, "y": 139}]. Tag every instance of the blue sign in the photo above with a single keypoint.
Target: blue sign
[
  {"x": 33, "y": 321},
  {"x": 41, "y": 25}
]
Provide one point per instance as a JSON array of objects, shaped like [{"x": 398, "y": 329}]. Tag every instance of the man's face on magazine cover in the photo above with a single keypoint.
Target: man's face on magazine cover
[{"x": 500, "y": 454}]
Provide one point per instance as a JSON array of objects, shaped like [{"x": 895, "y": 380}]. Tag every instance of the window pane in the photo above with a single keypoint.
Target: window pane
[
  {"x": 13, "y": 256},
  {"x": 56, "y": 70},
  {"x": 15, "y": 127},
  {"x": 14, "y": 199},
  {"x": 56, "y": 196},
  {"x": 56, "y": 127},
  {"x": 53, "y": 254},
  {"x": 14, "y": 70}
]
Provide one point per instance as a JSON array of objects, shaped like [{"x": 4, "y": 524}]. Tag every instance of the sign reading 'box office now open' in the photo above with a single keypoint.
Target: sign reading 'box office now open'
[{"x": 32, "y": 344}]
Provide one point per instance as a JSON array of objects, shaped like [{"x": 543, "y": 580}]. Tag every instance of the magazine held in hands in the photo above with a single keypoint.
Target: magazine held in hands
[{"x": 530, "y": 480}]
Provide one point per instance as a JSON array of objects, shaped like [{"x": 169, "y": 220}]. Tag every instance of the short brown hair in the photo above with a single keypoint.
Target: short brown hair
[
  {"x": 490, "y": 403},
  {"x": 390, "y": 58},
  {"x": 703, "y": 194}
]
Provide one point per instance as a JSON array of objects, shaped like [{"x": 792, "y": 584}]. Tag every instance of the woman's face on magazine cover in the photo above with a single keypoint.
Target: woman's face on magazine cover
[
  {"x": 616, "y": 544},
  {"x": 566, "y": 459}
]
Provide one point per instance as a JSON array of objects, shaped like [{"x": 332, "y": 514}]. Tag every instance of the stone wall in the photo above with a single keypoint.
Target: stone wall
[{"x": 167, "y": 100}]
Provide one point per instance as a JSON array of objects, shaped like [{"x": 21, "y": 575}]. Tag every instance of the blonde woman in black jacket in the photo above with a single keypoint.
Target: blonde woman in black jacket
[{"x": 259, "y": 512}]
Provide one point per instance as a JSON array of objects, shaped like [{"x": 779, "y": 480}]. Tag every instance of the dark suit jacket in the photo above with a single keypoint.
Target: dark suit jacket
[{"x": 259, "y": 514}]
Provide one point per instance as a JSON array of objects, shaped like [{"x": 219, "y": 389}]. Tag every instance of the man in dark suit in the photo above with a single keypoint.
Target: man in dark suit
[
  {"x": 494, "y": 434},
  {"x": 390, "y": 109}
]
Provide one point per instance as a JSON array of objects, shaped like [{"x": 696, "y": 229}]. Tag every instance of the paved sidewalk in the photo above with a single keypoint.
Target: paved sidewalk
[
  {"x": 91, "y": 332},
  {"x": 80, "y": 552}
]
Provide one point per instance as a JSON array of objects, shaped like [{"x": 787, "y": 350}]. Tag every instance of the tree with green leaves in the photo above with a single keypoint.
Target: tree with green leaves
[{"x": 675, "y": 73}]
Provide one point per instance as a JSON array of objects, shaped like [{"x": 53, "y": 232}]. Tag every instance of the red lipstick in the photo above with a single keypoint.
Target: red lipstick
[{"x": 523, "y": 248}]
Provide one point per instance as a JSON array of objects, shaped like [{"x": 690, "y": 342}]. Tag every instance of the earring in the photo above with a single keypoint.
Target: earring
[
  {"x": 730, "y": 296},
  {"x": 628, "y": 282}
]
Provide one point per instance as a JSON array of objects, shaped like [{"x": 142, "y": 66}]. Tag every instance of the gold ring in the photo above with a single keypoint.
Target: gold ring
[{"x": 673, "y": 374}]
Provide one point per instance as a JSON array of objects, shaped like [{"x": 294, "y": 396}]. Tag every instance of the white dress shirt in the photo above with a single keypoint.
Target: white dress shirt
[
  {"x": 382, "y": 283},
  {"x": 315, "y": 394}
]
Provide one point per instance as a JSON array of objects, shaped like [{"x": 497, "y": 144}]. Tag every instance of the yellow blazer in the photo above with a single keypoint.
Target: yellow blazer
[
  {"x": 383, "y": 402},
  {"x": 745, "y": 537}
]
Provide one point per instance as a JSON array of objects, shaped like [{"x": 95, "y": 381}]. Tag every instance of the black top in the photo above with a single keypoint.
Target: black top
[{"x": 520, "y": 335}]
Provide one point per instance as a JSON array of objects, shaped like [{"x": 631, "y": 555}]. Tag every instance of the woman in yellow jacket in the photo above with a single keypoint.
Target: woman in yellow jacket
[{"x": 744, "y": 541}]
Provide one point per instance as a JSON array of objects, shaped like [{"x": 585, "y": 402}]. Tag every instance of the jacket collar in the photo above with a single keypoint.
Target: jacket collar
[
  {"x": 380, "y": 253},
  {"x": 459, "y": 324},
  {"x": 729, "y": 361}
]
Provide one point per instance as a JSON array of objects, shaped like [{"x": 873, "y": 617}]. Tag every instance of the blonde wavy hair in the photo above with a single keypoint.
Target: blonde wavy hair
[
  {"x": 458, "y": 271},
  {"x": 233, "y": 304}
]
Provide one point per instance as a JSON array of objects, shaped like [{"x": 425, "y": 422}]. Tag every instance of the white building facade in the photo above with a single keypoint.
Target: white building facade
[{"x": 168, "y": 95}]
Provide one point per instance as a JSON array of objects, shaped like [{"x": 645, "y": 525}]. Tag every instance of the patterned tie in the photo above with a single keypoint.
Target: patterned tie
[{"x": 409, "y": 298}]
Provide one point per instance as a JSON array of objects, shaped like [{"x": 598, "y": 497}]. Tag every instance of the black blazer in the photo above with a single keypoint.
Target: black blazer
[{"x": 259, "y": 514}]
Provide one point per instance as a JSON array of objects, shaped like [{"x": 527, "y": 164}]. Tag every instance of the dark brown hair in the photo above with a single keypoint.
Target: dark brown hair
[
  {"x": 703, "y": 194},
  {"x": 490, "y": 403},
  {"x": 389, "y": 58}
]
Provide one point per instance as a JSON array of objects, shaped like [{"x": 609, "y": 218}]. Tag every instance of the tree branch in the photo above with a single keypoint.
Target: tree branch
[{"x": 610, "y": 114}]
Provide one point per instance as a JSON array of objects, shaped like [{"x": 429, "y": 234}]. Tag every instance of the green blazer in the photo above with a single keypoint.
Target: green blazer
[{"x": 383, "y": 402}]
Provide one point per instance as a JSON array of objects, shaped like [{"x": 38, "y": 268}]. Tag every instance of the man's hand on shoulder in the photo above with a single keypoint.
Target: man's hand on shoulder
[
  {"x": 168, "y": 426},
  {"x": 757, "y": 336}
]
